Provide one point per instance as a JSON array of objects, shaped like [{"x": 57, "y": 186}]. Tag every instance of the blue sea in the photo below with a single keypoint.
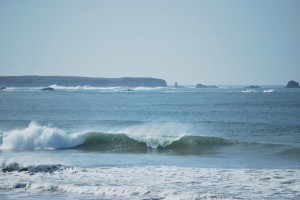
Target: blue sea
[{"x": 83, "y": 142}]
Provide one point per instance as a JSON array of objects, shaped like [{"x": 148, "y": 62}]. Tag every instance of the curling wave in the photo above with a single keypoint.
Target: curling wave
[
  {"x": 36, "y": 137},
  {"x": 95, "y": 141}
]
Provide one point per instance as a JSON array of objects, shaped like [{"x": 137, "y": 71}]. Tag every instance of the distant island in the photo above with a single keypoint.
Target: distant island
[
  {"x": 205, "y": 86},
  {"x": 73, "y": 81},
  {"x": 292, "y": 84},
  {"x": 253, "y": 87}
]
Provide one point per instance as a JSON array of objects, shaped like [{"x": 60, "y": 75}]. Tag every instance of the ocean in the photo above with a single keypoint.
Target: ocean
[{"x": 85, "y": 142}]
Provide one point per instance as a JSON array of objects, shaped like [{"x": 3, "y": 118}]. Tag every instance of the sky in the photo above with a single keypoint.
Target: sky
[{"x": 225, "y": 42}]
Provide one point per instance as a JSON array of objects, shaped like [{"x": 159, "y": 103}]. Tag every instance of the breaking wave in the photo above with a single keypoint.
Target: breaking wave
[
  {"x": 124, "y": 143},
  {"x": 160, "y": 138},
  {"x": 39, "y": 137},
  {"x": 268, "y": 91},
  {"x": 86, "y": 87},
  {"x": 249, "y": 91},
  {"x": 36, "y": 137},
  {"x": 253, "y": 91}
]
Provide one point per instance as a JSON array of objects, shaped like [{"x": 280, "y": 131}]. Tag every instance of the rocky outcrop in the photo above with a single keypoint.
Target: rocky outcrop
[
  {"x": 73, "y": 81},
  {"x": 205, "y": 86},
  {"x": 48, "y": 88},
  {"x": 253, "y": 87},
  {"x": 177, "y": 86},
  {"x": 292, "y": 84}
]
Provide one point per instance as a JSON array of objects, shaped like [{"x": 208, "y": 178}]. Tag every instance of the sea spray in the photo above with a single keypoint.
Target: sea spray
[
  {"x": 40, "y": 137},
  {"x": 156, "y": 134}
]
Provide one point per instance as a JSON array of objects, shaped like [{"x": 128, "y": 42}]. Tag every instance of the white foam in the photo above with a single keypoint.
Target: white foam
[
  {"x": 267, "y": 91},
  {"x": 248, "y": 91},
  {"x": 40, "y": 137},
  {"x": 161, "y": 182},
  {"x": 86, "y": 87},
  {"x": 148, "y": 88}
]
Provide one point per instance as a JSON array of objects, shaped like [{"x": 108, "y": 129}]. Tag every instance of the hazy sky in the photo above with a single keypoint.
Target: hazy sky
[{"x": 209, "y": 42}]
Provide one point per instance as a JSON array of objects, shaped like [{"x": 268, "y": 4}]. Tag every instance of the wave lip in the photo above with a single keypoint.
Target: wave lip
[
  {"x": 122, "y": 143},
  {"x": 40, "y": 137}
]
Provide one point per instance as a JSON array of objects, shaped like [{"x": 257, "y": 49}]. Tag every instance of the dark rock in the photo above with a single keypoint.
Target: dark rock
[
  {"x": 10, "y": 168},
  {"x": 292, "y": 84},
  {"x": 48, "y": 88},
  {"x": 5, "y": 170},
  {"x": 253, "y": 87},
  {"x": 20, "y": 185},
  {"x": 205, "y": 86},
  {"x": 23, "y": 169},
  {"x": 2, "y": 88},
  {"x": 178, "y": 86}
]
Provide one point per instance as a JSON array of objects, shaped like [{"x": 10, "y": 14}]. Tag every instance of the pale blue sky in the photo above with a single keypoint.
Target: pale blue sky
[{"x": 209, "y": 42}]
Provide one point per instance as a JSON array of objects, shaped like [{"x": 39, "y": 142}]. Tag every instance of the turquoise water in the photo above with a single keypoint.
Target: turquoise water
[{"x": 229, "y": 130}]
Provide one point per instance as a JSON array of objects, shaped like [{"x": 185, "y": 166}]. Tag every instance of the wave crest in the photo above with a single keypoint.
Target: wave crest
[
  {"x": 40, "y": 137},
  {"x": 96, "y": 141},
  {"x": 268, "y": 91},
  {"x": 169, "y": 137}
]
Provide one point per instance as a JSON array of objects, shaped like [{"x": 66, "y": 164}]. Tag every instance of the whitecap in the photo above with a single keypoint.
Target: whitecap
[
  {"x": 36, "y": 136},
  {"x": 248, "y": 91},
  {"x": 268, "y": 91}
]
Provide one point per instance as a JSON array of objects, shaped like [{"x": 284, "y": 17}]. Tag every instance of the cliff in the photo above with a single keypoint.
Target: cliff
[{"x": 43, "y": 81}]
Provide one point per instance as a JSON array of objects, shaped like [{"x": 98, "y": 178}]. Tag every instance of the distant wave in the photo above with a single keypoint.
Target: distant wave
[
  {"x": 87, "y": 87},
  {"x": 248, "y": 91},
  {"x": 268, "y": 91},
  {"x": 60, "y": 87},
  {"x": 264, "y": 91},
  {"x": 148, "y": 88}
]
